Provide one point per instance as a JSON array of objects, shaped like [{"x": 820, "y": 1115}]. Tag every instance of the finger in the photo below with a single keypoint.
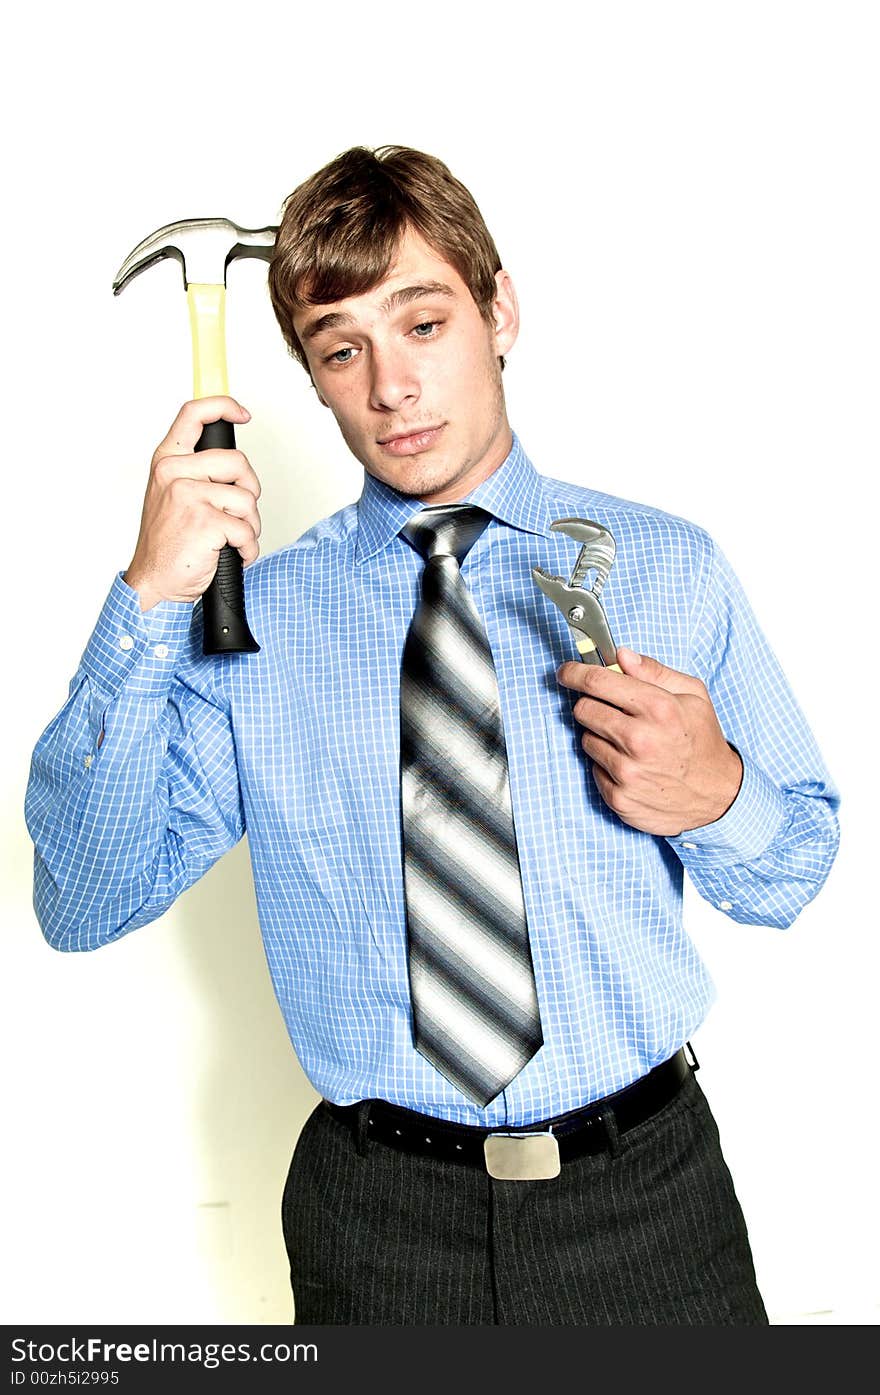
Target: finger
[
  {"x": 238, "y": 533},
  {"x": 185, "y": 430},
  {"x": 605, "y": 685},
  {"x": 227, "y": 498},
  {"x": 603, "y": 720},
  {"x": 220, "y": 466},
  {"x": 650, "y": 670},
  {"x": 604, "y": 784},
  {"x": 231, "y": 467},
  {"x": 603, "y": 754}
]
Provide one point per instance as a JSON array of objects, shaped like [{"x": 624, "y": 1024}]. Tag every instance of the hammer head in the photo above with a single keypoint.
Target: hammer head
[{"x": 203, "y": 246}]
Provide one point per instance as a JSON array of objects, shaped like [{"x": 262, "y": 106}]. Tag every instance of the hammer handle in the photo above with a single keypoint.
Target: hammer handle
[{"x": 225, "y": 623}]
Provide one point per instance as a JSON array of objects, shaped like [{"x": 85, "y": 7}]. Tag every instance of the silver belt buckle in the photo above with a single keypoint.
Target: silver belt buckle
[{"x": 522, "y": 1157}]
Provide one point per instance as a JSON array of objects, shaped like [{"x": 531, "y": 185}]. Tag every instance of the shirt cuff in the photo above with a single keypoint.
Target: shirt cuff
[
  {"x": 134, "y": 648},
  {"x": 744, "y": 832}
]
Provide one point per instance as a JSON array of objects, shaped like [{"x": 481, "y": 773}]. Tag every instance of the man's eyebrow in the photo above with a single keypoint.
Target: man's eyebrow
[
  {"x": 336, "y": 319},
  {"x": 332, "y": 321},
  {"x": 409, "y": 293}
]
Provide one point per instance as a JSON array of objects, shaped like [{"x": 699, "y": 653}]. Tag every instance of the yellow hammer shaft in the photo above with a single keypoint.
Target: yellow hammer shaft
[{"x": 207, "y": 317}]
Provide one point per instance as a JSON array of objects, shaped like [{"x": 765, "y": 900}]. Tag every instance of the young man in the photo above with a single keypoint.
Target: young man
[{"x": 461, "y": 957}]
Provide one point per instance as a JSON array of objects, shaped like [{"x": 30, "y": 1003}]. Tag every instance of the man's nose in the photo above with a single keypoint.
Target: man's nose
[{"x": 393, "y": 379}]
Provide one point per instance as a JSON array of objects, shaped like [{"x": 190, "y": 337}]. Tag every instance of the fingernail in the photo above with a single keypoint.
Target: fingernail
[{"x": 630, "y": 654}]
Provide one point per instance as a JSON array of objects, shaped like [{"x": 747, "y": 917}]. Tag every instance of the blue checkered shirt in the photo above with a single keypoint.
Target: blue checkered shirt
[{"x": 299, "y": 746}]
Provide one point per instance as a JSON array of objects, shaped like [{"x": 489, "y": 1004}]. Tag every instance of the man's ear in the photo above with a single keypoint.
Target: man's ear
[{"x": 505, "y": 313}]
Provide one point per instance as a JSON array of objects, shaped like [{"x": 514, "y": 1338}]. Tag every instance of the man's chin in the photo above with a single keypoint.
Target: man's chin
[{"x": 415, "y": 479}]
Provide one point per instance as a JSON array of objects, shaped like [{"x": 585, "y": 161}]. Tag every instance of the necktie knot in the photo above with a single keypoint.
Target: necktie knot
[{"x": 446, "y": 530}]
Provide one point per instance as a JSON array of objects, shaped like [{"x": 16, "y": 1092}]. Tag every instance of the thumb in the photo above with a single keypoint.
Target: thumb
[{"x": 652, "y": 671}]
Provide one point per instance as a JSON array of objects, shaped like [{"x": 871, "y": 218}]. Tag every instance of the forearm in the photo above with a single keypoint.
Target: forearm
[
  {"x": 769, "y": 854},
  {"x": 124, "y": 810}
]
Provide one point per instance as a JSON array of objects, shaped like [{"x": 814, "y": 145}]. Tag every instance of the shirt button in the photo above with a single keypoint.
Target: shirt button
[
  {"x": 725, "y": 905},
  {"x": 87, "y": 761},
  {"x": 161, "y": 651},
  {"x": 126, "y": 642},
  {"x": 691, "y": 847}
]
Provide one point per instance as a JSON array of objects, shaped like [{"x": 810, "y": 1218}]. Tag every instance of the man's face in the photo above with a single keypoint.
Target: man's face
[{"x": 410, "y": 371}]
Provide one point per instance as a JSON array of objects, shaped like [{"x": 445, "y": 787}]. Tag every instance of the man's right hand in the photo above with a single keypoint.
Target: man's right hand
[{"x": 195, "y": 503}]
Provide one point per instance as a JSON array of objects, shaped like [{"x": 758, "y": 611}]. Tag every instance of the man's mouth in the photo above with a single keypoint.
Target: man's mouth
[{"x": 411, "y": 442}]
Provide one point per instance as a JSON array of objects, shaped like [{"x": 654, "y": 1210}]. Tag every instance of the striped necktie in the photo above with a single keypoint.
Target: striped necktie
[{"x": 475, "y": 1009}]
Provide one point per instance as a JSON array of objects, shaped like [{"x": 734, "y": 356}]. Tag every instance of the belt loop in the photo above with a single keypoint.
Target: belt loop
[
  {"x": 361, "y": 1125},
  {"x": 609, "y": 1124},
  {"x": 691, "y": 1057}
]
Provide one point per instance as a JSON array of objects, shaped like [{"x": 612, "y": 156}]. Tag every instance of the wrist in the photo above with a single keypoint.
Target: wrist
[
  {"x": 147, "y": 595},
  {"x": 732, "y": 782}
]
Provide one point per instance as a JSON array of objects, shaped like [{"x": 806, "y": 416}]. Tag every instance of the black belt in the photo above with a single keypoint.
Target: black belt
[{"x": 577, "y": 1133}]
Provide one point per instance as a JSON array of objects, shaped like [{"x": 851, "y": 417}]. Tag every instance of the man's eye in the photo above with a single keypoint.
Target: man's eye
[
  {"x": 429, "y": 325},
  {"x": 335, "y": 357}
]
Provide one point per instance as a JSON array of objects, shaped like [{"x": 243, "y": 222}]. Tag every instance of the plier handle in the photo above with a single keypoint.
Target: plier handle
[{"x": 581, "y": 607}]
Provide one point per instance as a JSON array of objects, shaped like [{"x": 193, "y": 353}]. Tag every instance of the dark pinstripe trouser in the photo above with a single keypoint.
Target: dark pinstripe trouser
[{"x": 649, "y": 1233}]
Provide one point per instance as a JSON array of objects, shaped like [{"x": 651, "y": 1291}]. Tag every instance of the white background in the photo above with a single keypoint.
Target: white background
[{"x": 686, "y": 197}]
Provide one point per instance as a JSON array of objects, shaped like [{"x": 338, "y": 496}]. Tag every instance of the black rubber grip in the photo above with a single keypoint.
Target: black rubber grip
[{"x": 225, "y": 623}]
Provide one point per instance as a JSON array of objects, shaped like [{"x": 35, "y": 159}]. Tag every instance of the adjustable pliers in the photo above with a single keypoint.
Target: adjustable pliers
[{"x": 581, "y": 608}]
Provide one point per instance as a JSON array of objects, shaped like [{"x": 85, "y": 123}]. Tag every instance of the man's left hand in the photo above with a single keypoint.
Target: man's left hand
[{"x": 660, "y": 759}]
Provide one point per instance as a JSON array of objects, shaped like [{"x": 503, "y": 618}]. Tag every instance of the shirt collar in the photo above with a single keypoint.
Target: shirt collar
[{"x": 513, "y": 494}]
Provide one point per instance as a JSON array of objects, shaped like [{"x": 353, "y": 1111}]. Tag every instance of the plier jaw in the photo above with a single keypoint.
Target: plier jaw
[
  {"x": 585, "y": 616},
  {"x": 581, "y": 607}
]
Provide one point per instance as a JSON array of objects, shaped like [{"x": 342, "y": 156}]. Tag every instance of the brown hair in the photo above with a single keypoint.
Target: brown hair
[{"x": 341, "y": 228}]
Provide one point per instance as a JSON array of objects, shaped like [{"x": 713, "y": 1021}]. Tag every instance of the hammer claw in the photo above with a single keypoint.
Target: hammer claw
[{"x": 203, "y": 246}]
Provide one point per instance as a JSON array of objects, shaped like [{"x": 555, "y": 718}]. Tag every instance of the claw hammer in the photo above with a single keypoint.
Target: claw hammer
[{"x": 205, "y": 247}]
